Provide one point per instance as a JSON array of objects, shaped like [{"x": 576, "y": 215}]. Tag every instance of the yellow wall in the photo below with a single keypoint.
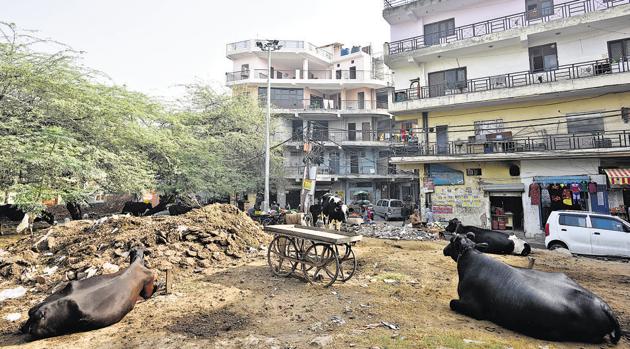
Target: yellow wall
[{"x": 527, "y": 110}]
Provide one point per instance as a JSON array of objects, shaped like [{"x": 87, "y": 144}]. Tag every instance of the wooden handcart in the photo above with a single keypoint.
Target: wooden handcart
[{"x": 322, "y": 256}]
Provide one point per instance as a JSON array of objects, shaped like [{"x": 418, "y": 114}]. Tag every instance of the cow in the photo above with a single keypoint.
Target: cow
[
  {"x": 498, "y": 242},
  {"x": 316, "y": 211},
  {"x": 136, "y": 208},
  {"x": 333, "y": 209},
  {"x": 14, "y": 214},
  {"x": 548, "y": 306},
  {"x": 92, "y": 303}
]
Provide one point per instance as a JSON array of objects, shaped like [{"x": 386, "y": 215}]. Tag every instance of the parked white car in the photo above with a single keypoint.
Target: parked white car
[
  {"x": 588, "y": 233},
  {"x": 389, "y": 208}
]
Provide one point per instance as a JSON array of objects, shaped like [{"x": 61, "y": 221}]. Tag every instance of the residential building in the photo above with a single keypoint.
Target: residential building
[
  {"x": 508, "y": 98},
  {"x": 335, "y": 97}
]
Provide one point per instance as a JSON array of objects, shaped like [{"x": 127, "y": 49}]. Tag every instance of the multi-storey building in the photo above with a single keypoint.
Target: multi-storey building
[
  {"x": 332, "y": 96},
  {"x": 509, "y": 98}
]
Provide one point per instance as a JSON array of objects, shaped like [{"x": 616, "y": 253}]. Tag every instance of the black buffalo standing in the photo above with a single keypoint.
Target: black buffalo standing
[
  {"x": 92, "y": 303},
  {"x": 543, "y": 305},
  {"x": 136, "y": 208},
  {"x": 498, "y": 242},
  {"x": 12, "y": 213}
]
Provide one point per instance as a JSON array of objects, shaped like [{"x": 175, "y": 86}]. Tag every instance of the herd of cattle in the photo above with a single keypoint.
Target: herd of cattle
[{"x": 548, "y": 306}]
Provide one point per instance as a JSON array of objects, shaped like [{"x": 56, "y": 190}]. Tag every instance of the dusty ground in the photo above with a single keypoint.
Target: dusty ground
[{"x": 244, "y": 306}]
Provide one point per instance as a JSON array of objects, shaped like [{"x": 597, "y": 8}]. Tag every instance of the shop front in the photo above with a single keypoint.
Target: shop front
[{"x": 619, "y": 192}]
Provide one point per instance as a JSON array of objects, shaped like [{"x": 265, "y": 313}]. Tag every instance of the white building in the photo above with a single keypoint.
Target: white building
[
  {"x": 339, "y": 97},
  {"x": 506, "y": 93}
]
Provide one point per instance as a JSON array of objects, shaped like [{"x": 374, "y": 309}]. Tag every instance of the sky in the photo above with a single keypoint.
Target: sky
[{"x": 153, "y": 46}]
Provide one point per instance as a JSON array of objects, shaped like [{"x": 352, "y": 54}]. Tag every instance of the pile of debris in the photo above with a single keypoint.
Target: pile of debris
[
  {"x": 388, "y": 231},
  {"x": 80, "y": 249}
]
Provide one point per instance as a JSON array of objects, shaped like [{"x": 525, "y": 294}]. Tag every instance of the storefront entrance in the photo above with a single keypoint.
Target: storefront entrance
[{"x": 506, "y": 211}]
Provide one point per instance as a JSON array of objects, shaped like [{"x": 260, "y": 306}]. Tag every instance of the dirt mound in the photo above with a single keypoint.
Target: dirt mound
[{"x": 213, "y": 234}]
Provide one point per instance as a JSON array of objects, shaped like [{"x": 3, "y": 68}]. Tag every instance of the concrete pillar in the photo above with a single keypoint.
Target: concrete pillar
[
  {"x": 281, "y": 194},
  {"x": 305, "y": 69}
]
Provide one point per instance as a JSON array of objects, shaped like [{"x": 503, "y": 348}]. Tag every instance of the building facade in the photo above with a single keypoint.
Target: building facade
[
  {"x": 336, "y": 98},
  {"x": 519, "y": 107}
]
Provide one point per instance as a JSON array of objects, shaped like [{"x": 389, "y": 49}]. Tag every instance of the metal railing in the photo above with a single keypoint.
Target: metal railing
[
  {"x": 326, "y": 105},
  {"x": 518, "y": 20},
  {"x": 547, "y": 143},
  {"x": 340, "y": 170},
  {"x": 247, "y": 45},
  {"x": 395, "y": 3},
  {"x": 292, "y": 74},
  {"x": 386, "y": 137},
  {"x": 518, "y": 79}
]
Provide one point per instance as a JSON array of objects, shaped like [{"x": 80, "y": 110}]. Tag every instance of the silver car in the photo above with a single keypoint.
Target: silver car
[{"x": 389, "y": 208}]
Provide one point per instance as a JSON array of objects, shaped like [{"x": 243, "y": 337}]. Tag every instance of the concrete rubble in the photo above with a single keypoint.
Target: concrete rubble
[
  {"x": 393, "y": 231},
  {"x": 81, "y": 249}
]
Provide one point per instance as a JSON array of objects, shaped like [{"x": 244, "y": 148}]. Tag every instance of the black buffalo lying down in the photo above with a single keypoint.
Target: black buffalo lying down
[
  {"x": 543, "y": 305},
  {"x": 92, "y": 303},
  {"x": 498, "y": 242}
]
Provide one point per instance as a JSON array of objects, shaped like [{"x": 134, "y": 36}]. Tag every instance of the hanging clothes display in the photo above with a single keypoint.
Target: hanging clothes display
[
  {"x": 576, "y": 191},
  {"x": 592, "y": 187},
  {"x": 534, "y": 193},
  {"x": 545, "y": 198},
  {"x": 556, "y": 196},
  {"x": 567, "y": 197}
]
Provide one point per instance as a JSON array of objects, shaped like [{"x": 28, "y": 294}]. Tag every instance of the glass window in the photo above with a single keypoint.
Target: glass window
[
  {"x": 606, "y": 223},
  {"x": 395, "y": 203},
  {"x": 284, "y": 98},
  {"x": 573, "y": 220},
  {"x": 443, "y": 81},
  {"x": 592, "y": 123},
  {"x": 619, "y": 50},
  {"x": 435, "y": 31},
  {"x": 543, "y": 58},
  {"x": 538, "y": 8},
  {"x": 486, "y": 127}
]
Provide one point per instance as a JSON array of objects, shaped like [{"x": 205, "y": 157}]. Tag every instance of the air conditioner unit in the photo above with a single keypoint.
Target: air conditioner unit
[{"x": 498, "y": 81}]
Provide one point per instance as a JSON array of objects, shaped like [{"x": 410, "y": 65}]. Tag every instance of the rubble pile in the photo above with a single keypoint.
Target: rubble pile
[
  {"x": 80, "y": 249},
  {"x": 388, "y": 231}
]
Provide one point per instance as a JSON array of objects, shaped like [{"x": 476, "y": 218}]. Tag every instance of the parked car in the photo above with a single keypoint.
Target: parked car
[
  {"x": 588, "y": 233},
  {"x": 389, "y": 208}
]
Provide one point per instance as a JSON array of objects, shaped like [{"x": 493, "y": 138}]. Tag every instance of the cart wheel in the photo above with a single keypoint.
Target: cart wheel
[
  {"x": 320, "y": 264},
  {"x": 280, "y": 249},
  {"x": 347, "y": 262}
]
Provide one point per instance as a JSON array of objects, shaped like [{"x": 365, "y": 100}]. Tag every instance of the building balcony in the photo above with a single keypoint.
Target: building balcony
[
  {"x": 327, "y": 173},
  {"x": 329, "y": 107},
  {"x": 600, "y": 144},
  {"x": 568, "y": 78},
  {"x": 342, "y": 138},
  {"x": 310, "y": 78},
  {"x": 515, "y": 26},
  {"x": 240, "y": 48}
]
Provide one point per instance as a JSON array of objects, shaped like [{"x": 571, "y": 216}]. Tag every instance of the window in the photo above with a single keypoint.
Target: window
[
  {"x": 320, "y": 130},
  {"x": 284, "y": 98},
  {"x": 592, "y": 123},
  {"x": 473, "y": 172},
  {"x": 619, "y": 50},
  {"x": 606, "y": 223},
  {"x": 395, "y": 203},
  {"x": 573, "y": 220},
  {"x": 245, "y": 71},
  {"x": 488, "y": 126},
  {"x": 297, "y": 130},
  {"x": 352, "y": 131},
  {"x": 443, "y": 82},
  {"x": 338, "y": 74},
  {"x": 434, "y": 32},
  {"x": 353, "y": 72},
  {"x": 354, "y": 164},
  {"x": 543, "y": 58},
  {"x": 538, "y": 8}
]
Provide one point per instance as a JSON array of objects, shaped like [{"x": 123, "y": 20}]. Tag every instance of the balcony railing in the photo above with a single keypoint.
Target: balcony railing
[
  {"x": 547, "y": 143},
  {"x": 326, "y": 105},
  {"x": 395, "y": 3},
  {"x": 247, "y": 45},
  {"x": 300, "y": 74},
  {"x": 518, "y": 79},
  {"x": 518, "y": 20},
  {"x": 383, "y": 169}
]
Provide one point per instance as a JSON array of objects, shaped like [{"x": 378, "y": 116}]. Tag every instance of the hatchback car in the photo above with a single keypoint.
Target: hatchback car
[
  {"x": 588, "y": 233},
  {"x": 389, "y": 209}
]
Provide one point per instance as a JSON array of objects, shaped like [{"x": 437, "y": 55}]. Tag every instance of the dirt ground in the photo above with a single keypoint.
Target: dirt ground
[{"x": 406, "y": 284}]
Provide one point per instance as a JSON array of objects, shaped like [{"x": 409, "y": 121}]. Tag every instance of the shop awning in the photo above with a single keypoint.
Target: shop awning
[
  {"x": 512, "y": 187},
  {"x": 618, "y": 176}
]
